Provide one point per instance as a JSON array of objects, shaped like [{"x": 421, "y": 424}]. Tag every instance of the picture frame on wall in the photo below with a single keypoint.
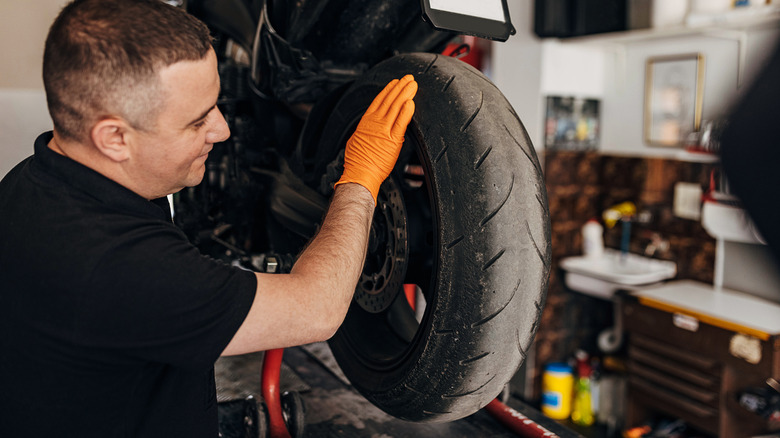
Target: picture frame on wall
[{"x": 674, "y": 88}]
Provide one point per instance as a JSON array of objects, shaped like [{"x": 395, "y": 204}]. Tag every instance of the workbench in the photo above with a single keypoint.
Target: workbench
[{"x": 693, "y": 349}]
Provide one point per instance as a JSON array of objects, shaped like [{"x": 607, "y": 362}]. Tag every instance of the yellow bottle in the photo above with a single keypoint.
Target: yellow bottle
[{"x": 557, "y": 387}]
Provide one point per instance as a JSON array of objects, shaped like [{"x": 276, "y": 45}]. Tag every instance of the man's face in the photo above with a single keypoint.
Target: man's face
[{"x": 173, "y": 154}]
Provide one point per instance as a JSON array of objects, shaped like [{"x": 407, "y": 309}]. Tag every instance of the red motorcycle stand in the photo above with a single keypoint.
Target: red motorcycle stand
[
  {"x": 272, "y": 362},
  {"x": 272, "y": 365}
]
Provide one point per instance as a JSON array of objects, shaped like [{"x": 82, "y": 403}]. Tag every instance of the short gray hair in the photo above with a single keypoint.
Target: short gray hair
[{"x": 102, "y": 58}]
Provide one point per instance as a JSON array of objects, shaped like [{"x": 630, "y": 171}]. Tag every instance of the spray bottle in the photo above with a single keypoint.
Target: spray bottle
[{"x": 582, "y": 409}]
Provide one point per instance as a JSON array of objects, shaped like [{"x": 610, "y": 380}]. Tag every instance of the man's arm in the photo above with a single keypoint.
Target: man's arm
[{"x": 310, "y": 303}]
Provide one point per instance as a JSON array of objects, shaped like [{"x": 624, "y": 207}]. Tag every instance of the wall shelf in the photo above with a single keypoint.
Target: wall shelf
[
  {"x": 720, "y": 24},
  {"x": 697, "y": 157},
  {"x": 732, "y": 25}
]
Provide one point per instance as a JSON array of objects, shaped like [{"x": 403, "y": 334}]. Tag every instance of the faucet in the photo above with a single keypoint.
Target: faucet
[
  {"x": 657, "y": 243},
  {"x": 623, "y": 213}
]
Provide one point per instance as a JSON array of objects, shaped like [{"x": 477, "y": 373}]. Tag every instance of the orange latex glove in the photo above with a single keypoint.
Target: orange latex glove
[{"x": 374, "y": 147}]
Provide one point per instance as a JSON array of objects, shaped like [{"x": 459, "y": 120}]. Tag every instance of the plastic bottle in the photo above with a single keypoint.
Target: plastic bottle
[
  {"x": 557, "y": 387},
  {"x": 592, "y": 238},
  {"x": 595, "y": 390},
  {"x": 582, "y": 411}
]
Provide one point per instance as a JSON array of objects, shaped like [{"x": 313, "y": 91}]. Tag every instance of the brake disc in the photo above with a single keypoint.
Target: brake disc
[
  {"x": 388, "y": 251},
  {"x": 388, "y": 246}
]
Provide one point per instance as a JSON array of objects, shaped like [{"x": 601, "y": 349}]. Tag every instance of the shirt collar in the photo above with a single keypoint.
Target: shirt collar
[{"x": 94, "y": 184}]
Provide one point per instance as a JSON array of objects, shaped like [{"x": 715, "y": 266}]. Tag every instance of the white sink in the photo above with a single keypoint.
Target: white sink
[{"x": 603, "y": 275}]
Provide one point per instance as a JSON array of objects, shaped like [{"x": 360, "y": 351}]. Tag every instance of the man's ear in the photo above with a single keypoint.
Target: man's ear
[{"x": 110, "y": 137}]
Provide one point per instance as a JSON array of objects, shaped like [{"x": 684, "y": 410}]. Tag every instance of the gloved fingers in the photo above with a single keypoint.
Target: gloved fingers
[
  {"x": 406, "y": 94},
  {"x": 404, "y": 117},
  {"x": 394, "y": 93},
  {"x": 381, "y": 96}
]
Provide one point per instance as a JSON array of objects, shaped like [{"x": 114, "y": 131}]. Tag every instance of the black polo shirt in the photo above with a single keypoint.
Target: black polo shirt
[{"x": 110, "y": 320}]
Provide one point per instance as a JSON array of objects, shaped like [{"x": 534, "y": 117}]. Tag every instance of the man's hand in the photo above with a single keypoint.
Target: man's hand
[{"x": 374, "y": 147}]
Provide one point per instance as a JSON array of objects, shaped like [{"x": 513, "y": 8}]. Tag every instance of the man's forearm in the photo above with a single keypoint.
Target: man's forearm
[{"x": 336, "y": 255}]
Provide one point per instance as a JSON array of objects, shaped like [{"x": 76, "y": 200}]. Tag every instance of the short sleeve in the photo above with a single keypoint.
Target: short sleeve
[{"x": 157, "y": 298}]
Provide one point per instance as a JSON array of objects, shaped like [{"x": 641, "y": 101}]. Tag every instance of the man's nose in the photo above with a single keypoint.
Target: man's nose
[{"x": 220, "y": 131}]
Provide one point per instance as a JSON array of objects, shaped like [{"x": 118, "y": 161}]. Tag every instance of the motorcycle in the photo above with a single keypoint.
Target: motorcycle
[{"x": 462, "y": 223}]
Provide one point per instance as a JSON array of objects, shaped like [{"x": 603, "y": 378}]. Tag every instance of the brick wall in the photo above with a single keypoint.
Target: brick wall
[{"x": 581, "y": 185}]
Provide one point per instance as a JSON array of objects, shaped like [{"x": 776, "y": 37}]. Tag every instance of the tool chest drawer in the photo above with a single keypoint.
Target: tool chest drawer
[
  {"x": 678, "y": 378},
  {"x": 682, "y": 366}
]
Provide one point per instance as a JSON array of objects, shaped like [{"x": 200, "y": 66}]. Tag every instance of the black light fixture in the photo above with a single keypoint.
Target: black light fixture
[{"x": 485, "y": 18}]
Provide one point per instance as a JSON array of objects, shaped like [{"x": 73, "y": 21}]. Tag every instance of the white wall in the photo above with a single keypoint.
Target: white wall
[
  {"x": 572, "y": 70},
  {"x": 516, "y": 69},
  {"x": 753, "y": 269},
  {"x": 23, "y": 113},
  {"x": 527, "y": 69},
  {"x": 623, "y": 100}
]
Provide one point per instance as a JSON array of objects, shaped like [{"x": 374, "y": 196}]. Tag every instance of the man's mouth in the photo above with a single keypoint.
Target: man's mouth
[{"x": 205, "y": 154}]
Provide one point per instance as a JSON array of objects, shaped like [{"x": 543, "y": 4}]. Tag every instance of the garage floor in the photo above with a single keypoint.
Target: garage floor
[{"x": 334, "y": 409}]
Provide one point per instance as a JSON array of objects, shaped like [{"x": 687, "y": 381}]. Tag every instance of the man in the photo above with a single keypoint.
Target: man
[{"x": 110, "y": 321}]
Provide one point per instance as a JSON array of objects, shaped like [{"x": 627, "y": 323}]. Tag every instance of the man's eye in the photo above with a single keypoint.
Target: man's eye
[{"x": 199, "y": 124}]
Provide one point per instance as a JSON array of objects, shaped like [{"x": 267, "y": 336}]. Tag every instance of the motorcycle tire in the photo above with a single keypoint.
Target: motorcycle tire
[{"x": 481, "y": 194}]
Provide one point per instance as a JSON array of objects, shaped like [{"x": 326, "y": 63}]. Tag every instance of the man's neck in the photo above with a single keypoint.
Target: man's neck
[
  {"x": 89, "y": 156},
  {"x": 54, "y": 145}
]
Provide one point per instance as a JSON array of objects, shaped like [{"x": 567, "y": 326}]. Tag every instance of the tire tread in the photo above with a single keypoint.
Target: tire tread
[
  {"x": 493, "y": 213},
  {"x": 482, "y": 157},
  {"x": 474, "y": 115}
]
